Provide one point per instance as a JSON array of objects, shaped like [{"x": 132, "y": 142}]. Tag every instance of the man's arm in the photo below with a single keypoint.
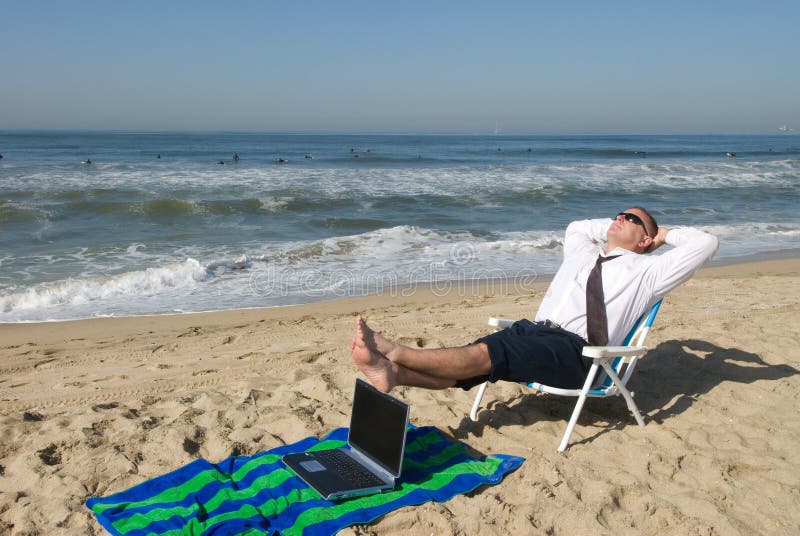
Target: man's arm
[
  {"x": 585, "y": 234},
  {"x": 691, "y": 249}
]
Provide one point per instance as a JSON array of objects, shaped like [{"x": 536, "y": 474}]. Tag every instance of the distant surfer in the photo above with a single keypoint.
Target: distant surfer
[
  {"x": 221, "y": 162},
  {"x": 308, "y": 156},
  {"x": 730, "y": 155},
  {"x": 86, "y": 162},
  {"x": 280, "y": 161},
  {"x": 235, "y": 157},
  {"x": 158, "y": 156}
]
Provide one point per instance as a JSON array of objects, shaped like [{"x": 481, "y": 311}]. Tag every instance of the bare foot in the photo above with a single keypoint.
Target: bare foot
[
  {"x": 375, "y": 340},
  {"x": 374, "y": 365}
]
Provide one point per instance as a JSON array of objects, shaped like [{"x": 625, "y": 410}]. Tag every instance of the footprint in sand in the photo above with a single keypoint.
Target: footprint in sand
[
  {"x": 44, "y": 362},
  {"x": 106, "y": 378},
  {"x": 193, "y": 332},
  {"x": 109, "y": 405},
  {"x": 311, "y": 358},
  {"x": 192, "y": 444},
  {"x": 150, "y": 423},
  {"x": 50, "y": 455},
  {"x": 250, "y": 354}
]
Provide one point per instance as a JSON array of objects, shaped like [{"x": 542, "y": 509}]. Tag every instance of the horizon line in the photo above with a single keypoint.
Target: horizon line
[{"x": 322, "y": 132}]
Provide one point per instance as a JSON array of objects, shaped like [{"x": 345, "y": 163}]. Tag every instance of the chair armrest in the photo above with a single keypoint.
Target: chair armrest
[
  {"x": 500, "y": 323},
  {"x": 598, "y": 352}
]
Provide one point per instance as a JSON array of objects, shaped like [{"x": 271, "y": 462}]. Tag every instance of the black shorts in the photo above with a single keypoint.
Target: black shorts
[{"x": 533, "y": 352}]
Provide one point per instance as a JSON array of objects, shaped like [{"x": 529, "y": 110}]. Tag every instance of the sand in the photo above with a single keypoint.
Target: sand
[{"x": 93, "y": 407}]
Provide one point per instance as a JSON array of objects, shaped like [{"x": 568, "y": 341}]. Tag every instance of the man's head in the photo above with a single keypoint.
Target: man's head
[{"x": 633, "y": 229}]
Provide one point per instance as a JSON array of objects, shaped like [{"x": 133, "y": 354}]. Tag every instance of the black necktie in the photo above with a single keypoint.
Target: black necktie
[{"x": 596, "y": 321}]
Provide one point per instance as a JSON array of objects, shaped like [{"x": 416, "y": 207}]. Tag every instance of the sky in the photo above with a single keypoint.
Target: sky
[{"x": 412, "y": 66}]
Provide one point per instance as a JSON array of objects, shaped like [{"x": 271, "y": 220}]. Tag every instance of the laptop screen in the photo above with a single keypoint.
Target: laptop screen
[{"x": 378, "y": 426}]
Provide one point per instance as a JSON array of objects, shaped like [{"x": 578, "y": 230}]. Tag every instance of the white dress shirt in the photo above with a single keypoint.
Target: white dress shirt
[{"x": 632, "y": 283}]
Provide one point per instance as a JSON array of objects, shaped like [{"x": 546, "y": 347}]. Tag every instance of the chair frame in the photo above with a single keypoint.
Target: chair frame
[{"x": 612, "y": 382}]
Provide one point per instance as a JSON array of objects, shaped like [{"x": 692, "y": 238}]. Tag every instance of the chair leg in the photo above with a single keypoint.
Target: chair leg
[
  {"x": 626, "y": 394},
  {"x": 573, "y": 420},
  {"x": 473, "y": 414}
]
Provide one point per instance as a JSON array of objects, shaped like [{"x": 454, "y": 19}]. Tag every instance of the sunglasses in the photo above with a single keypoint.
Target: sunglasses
[{"x": 633, "y": 218}]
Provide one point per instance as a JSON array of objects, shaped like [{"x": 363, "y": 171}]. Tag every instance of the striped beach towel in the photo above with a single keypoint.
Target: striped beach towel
[{"x": 255, "y": 495}]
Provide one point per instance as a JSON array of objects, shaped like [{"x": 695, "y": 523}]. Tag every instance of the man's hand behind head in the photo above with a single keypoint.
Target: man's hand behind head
[{"x": 659, "y": 240}]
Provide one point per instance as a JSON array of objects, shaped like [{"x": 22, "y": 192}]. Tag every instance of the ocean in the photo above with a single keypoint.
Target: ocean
[{"x": 170, "y": 222}]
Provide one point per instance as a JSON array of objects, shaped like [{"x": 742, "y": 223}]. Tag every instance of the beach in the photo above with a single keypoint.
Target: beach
[{"x": 92, "y": 407}]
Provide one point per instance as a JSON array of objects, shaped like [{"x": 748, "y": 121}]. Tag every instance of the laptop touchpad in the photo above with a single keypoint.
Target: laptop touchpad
[{"x": 312, "y": 466}]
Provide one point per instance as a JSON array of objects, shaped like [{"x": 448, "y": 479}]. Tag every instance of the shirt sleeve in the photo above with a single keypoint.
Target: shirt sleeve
[
  {"x": 692, "y": 248},
  {"x": 585, "y": 234}
]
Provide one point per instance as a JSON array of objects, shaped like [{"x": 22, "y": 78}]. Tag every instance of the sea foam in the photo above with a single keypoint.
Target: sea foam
[{"x": 81, "y": 291}]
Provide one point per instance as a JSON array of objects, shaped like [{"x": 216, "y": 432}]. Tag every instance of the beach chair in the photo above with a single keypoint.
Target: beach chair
[{"x": 615, "y": 365}]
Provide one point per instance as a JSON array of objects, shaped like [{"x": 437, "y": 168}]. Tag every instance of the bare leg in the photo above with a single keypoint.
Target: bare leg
[
  {"x": 376, "y": 340},
  {"x": 398, "y": 361},
  {"x": 386, "y": 375}
]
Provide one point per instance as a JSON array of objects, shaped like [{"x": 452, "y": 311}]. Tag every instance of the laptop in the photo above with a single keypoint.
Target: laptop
[{"x": 374, "y": 459}]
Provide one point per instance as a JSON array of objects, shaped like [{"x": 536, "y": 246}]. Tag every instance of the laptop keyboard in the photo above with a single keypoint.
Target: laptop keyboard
[{"x": 349, "y": 469}]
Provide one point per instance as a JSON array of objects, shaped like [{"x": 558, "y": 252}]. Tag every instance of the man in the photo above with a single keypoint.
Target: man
[{"x": 549, "y": 350}]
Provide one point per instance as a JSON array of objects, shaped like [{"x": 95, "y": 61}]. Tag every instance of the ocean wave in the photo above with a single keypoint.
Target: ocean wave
[
  {"x": 73, "y": 292},
  {"x": 405, "y": 242},
  {"x": 764, "y": 230},
  {"x": 276, "y": 274},
  {"x": 164, "y": 207},
  {"x": 164, "y": 193},
  {"x": 12, "y": 212}
]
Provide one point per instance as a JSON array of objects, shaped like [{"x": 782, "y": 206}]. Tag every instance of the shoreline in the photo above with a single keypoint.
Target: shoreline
[
  {"x": 478, "y": 286},
  {"x": 67, "y": 333}
]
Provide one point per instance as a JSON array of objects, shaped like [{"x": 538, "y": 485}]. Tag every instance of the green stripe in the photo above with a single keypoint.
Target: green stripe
[
  {"x": 327, "y": 444},
  {"x": 273, "y": 479},
  {"x": 313, "y": 516}
]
